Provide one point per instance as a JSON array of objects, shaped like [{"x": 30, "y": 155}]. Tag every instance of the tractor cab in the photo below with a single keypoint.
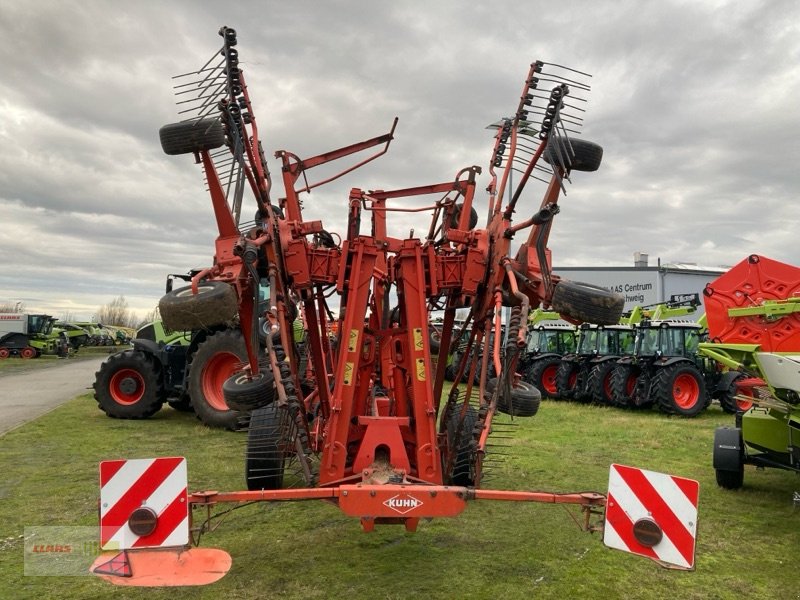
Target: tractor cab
[
  {"x": 40, "y": 325},
  {"x": 604, "y": 340},
  {"x": 552, "y": 338},
  {"x": 663, "y": 339},
  {"x": 547, "y": 342}
]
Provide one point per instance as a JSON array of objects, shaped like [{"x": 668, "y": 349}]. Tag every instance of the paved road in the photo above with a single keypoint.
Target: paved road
[{"x": 28, "y": 395}]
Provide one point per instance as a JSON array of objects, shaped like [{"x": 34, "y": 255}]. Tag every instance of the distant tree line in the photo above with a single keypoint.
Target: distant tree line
[{"x": 117, "y": 313}]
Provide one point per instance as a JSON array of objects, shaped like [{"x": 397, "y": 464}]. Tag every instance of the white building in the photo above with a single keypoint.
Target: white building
[{"x": 643, "y": 284}]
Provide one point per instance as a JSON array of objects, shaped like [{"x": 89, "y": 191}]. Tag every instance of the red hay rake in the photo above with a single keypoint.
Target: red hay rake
[{"x": 360, "y": 415}]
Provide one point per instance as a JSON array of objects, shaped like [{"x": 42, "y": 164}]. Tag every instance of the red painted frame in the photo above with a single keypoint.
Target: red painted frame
[{"x": 378, "y": 398}]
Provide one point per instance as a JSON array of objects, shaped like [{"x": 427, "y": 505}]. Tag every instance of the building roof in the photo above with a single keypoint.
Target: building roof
[
  {"x": 693, "y": 267},
  {"x": 666, "y": 268}
]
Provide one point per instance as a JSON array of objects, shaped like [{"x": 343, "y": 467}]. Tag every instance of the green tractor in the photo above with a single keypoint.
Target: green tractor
[
  {"x": 26, "y": 335},
  {"x": 549, "y": 339},
  {"x": 667, "y": 370},
  {"x": 184, "y": 369}
]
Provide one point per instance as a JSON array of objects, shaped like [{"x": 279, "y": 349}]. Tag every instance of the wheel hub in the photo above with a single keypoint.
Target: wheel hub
[{"x": 128, "y": 386}]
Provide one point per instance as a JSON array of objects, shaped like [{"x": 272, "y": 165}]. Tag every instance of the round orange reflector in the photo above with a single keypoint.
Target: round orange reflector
[
  {"x": 143, "y": 521},
  {"x": 647, "y": 532}
]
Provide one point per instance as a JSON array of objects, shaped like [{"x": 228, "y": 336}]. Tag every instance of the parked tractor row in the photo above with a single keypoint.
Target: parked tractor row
[
  {"x": 651, "y": 358},
  {"x": 29, "y": 335}
]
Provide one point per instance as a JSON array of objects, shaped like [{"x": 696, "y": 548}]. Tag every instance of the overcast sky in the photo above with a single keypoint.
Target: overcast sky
[{"x": 695, "y": 104}]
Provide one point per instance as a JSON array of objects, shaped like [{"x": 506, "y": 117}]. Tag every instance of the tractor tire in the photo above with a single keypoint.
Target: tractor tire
[
  {"x": 599, "y": 383},
  {"x": 728, "y": 457},
  {"x": 742, "y": 406},
  {"x": 182, "y": 404},
  {"x": 270, "y": 441},
  {"x": 189, "y": 137},
  {"x": 4, "y": 353},
  {"x": 567, "y": 380},
  {"x": 450, "y": 371},
  {"x": 623, "y": 386},
  {"x": 27, "y": 352},
  {"x": 214, "y": 304},
  {"x": 575, "y": 155},
  {"x": 462, "y": 444},
  {"x": 587, "y": 302},
  {"x": 128, "y": 386},
  {"x": 680, "y": 389},
  {"x": 216, "y": 359},
  {"x": 525, "y": 399},
  {"x": 542, "y": 375},
  {"x": 730, "y": 403},
  {"x": 245, "y": 394}
]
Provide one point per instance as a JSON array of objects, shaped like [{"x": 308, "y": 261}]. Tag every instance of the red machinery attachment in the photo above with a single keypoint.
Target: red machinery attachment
[
  {"x": 756, "y": 302},
  {"x": 367, "y": 426}
]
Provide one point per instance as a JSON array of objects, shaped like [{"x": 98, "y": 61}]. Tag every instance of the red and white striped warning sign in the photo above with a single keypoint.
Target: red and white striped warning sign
[
  {"x": 143, "y": 503},
  {"x": 652, "y": 514}
]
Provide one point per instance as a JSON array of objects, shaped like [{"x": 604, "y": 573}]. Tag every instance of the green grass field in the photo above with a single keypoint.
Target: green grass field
[{"x": 748, "y": 542}]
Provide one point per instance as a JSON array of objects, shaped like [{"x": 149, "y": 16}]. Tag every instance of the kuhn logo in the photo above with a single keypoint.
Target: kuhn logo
[{"x": 403, "y": 503}]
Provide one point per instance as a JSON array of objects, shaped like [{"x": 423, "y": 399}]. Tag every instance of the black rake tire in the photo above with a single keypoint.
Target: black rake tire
[
  {"x": 680, "y": 389},
  {"x": 575, "y": 154},
  {"x": 588, "y": 303},
  {"x": 525, "y": 399},
  {"x": 461, "y": 444},
  {"x": 434, "y": 339},
  {"x": 599, "y": 383},
  {"x": 214, "y": 304},
  {"x": 127, "y": 386},
  {"x": 216, "y": 359},
  {"x": 189, "y": 137},
  {"x": 244, "y": 393},
  {"x": 270, "y": 442},
  {"x": 473, "y": 217}
]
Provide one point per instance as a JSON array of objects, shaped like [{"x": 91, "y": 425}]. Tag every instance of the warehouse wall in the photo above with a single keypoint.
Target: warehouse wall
[{"x": 642, "y": 285}]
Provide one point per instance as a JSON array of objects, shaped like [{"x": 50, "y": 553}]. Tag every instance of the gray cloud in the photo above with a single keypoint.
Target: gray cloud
[{"x": 694, "y": 104}]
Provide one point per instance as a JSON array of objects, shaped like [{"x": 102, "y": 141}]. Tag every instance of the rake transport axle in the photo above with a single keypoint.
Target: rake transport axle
[{"x": 360, "y": 416}]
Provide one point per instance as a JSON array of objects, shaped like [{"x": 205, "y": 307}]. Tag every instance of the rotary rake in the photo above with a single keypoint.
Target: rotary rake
[{"x": 362, "y": 418}]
